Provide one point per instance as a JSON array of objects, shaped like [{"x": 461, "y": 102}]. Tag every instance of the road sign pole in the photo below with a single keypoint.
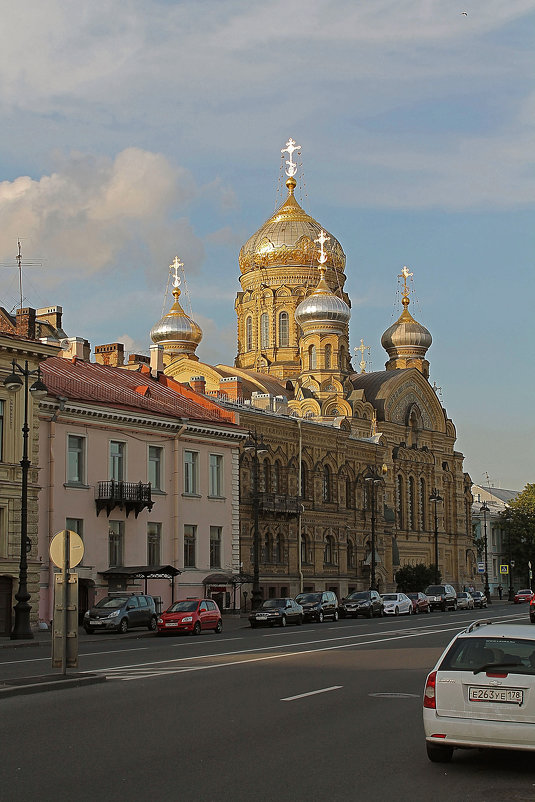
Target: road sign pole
[{"x": 66, "y": 560}]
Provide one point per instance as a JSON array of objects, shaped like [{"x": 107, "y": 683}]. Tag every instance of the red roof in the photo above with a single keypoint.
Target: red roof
[{"x": 129, "y": 389}]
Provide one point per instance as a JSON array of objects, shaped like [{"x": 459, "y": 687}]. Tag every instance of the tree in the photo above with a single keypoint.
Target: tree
[
  {"x": 518, "y": 523},
  {"x": 411, "y": 578}
]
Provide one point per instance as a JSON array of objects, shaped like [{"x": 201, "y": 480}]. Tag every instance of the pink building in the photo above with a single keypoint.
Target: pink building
[{"x": 146, "y": 471}]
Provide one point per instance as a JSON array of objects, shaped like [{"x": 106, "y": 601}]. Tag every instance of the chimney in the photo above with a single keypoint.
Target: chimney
[
  {"x": 25, "y": 326},
  {"x": 111, "y": 354},
  {"x": 198, "y": 383},
  {"x": 156, "y": 360},
  {"x": 231, "y": 387},
  {"x": 50, "y": 314},
  {"x": 75, "y": 347}
]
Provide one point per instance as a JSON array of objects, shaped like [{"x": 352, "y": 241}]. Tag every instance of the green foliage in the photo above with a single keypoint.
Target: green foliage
[
  {"x": 518, "y": 523},
  {"x": 411, "y": 578}
]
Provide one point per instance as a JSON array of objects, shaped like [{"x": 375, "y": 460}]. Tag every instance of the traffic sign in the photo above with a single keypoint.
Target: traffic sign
[
  {"x": 504, "y": 569},
  {"x": 481, "y": 568},
  {"x": 57, "y": 549}
]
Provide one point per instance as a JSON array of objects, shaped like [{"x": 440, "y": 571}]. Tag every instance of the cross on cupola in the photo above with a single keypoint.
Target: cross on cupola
[
  {"x": 175, "y": 266},
  {"x": 322, "y": 258},
  {"x": 290, "y": 148},
  {"x": 362, "y": 348},
  {"x": 405, "y": 274}
]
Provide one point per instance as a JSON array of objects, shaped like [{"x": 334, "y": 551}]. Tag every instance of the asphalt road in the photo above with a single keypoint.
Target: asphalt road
[{"x": 318, "y": 712}]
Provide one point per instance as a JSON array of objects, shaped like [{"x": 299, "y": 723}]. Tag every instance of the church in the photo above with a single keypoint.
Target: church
[{"x": 352, "y": 474}]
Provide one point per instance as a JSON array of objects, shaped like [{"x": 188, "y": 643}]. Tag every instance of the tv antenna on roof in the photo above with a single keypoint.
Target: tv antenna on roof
[{"x": 18, "y": 265}]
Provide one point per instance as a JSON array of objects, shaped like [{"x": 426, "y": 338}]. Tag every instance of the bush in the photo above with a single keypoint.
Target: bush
[{"x": 411, "y": 578}]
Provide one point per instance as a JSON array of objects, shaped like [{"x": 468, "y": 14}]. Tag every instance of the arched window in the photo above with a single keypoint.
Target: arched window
[
  {"x": 284, "y": 329},
  {"x": 423, "y": 505},
  {"x": 268, "y": 548},
  {"x": 412, "y": 503},
  {"x": 305, "y": 548},
  {"x": 278, "y": 549},
  {"x": 304, "y": 480},
  {"x": 328, "y": 356},
  {"x": 276, "y": 477},
  {"x": 342, "y": 361},
  {"x": 349, "y": 494},
  {"x": 326, "y": 485},
  {"x": 312, "y": 357},
  {"x": 249, "y": 334},
  {"x": 400, "y": 507},
  {"x": 264, "y": 330},
  {"x": 266, "y": 477},
  {"x": 350, "y": 553},
  {"x": 329, "y": 550}
]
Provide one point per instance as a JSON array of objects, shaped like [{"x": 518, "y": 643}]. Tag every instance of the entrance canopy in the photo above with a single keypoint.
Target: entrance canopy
[
  {"x": 227, "y": 579},
  {"x": 143, "y": 572}
]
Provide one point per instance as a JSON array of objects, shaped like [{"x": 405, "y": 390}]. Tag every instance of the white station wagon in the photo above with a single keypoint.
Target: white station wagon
[{"x": 481, "y": 693}]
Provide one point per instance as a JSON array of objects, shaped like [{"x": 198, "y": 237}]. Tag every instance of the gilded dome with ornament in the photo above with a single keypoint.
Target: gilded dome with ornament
[
  {"x": 287, "y": 238},
  {"x": 176, "y": 331},
  {"x": 406, "y": 335}
]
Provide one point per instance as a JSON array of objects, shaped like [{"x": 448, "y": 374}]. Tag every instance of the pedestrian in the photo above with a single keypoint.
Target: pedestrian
[{"x": 500, "y": 591}]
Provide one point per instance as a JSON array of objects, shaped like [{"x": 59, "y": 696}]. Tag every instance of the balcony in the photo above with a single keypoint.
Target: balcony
[
  {"x": 278, "y": 504},
  {"x": 130, "y": 496}
]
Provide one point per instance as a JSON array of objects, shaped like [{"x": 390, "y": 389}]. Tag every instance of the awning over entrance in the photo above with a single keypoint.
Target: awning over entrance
[
  {"x": 143, "y": 571},
  {"x": 227, "y": 579}
]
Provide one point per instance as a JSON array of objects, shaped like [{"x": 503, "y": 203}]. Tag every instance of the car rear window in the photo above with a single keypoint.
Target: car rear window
[{"x": 513, "y": 655}]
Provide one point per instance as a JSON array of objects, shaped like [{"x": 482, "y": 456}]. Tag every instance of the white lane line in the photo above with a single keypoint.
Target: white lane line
[
  {"x": 311, "y": 693},
  {"x": 203, "y": 643},
  {"x": 80, "y": 654}
]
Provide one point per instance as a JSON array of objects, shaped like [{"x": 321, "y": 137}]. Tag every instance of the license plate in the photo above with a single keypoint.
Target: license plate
[
  {"x": 513, "y": 696},
  {"x": 96, "y": 623},
  {"x": 171, "y": 624},
  {"x": 261, "y": 617}
]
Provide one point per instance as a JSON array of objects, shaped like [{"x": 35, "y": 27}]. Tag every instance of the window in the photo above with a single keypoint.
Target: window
[
  {"x": 349, "y": 494},
  {"x": 249, "y": 334},
  {"x": 278, "y": 549},
  {"x": 328, "y": 555},
  {"x": 1, "y": 429},
  {"x": 190, "y": 471},
  {"x": 75, "y": 525},
  {"x": 75, "y": 459},
  {"x": 190, "y": 535},
  {"x": 154, "y": 540},
  {"x": 276, "y": 484},
  {"x": 328, "y": 356},
  {"x": 264, "y": 330},
  {"x": 216, "y": 475},
  {"x": 116, "y": 543},
  {"x": 268, "y": 548},
  {"x": 412, "y": 503},
  {"x": 326, "y": 486},
  {"x": 312, "y": 357},
  {"x": 265, "y": 477},
  {"x": 399, "y": 501},
  {"x": 303, "y": 480},
  {"x": 3, "y": 533},
  {"x": 284, "y": 330},
  {"x": 423, "y": 504},
  {"x": 117, "y": 450},
  {"x": 155, "y": 468},
  {"x": 305, "y": 549},
  {"x": 350, "y": 554},
  {"x": 215, "y": 546}
]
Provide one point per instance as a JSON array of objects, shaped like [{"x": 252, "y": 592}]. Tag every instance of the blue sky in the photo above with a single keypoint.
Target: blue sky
[{"x": 138, "y": 130}]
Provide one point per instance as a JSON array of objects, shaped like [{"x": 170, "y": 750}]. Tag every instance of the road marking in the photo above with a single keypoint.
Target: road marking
[
  {"x": 311, "y": 693},
  {"x": 395, "y": 695},
  {"x": 199, "y": 643}
]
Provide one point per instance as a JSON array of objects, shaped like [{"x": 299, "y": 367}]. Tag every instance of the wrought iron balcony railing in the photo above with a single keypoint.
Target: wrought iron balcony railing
[{"x": 130, "y": 496}]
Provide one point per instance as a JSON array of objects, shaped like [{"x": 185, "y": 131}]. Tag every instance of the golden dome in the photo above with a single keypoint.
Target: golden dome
[
  {"x": 406, "y": 336},
  {"x": 176, "y": 331},
  {"x": 287, "y": 238}
]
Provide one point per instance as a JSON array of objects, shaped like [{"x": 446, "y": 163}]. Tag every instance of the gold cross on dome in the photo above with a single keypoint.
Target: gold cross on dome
[
  {"x": 362, "y": 348},
  {"x": 291, "y": 168},
  {"x": 175, "y": 266},
  {"x": 405, "y": 274},
  {"x": 321, "y": 240}
]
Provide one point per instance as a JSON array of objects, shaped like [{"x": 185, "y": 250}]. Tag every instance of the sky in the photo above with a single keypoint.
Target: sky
[{"x": 136, "y": 131}]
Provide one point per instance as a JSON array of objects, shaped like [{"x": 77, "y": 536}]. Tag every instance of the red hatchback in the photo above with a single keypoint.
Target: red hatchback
[
  {"x": 523, "y": 596},
  {"x": 190, "y": 615}
]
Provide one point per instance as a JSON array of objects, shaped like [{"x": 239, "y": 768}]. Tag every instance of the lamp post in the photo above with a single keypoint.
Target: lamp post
[
  {"x": 14, "y": 383},
  {"x": 508, "y": 521},
  {"x": 435, "y": 497},
  {"x": 255, "y": 445},
  {"x": 484, "y": 509},
  {"x": 374, "y": 477}
]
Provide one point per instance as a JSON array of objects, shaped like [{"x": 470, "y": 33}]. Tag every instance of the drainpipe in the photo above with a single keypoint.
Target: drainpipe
[
  {"x": 176, "y": 492},
  {"x": 299, "y": 514}
]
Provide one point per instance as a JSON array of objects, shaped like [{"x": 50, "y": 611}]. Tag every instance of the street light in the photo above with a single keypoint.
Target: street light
[
  {"x": 508, "y": 521},
  {"x": 13, "y": 382},
  {"x": 435, "y": 497},
  {"x": 484, "y": 509},
  {"x": 255, "y": 445},
  {"x": 374, "y": 477}
]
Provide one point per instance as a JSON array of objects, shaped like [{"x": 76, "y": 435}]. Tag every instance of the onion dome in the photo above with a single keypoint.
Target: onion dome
[
  {"x": 287, "y": 238},
  {"x": 176, "y": 331},
  {"x": 322, "y": 308},
  {"x": 406, "y": 337}
]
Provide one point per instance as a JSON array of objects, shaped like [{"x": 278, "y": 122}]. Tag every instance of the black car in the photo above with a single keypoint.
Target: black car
[
  {"x": 120, "y": 613},
  {"x": 480, "y": 600},
  {"x": 277, "y": 611},
  {"x": 318, "y": 605},
  {"x": 363, "y": 602},
  {"x": 442, "y": 597}
]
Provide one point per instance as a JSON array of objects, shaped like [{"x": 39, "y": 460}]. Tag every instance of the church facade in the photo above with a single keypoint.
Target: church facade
[{"x": 328, "y": 430}]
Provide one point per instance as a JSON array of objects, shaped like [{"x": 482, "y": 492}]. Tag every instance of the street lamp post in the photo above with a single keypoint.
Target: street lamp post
[
  {"x": 255, "y": 445},
  {"x": 485, "y": 509},
  {"x": 511, "y": 595},
  {"x": 435, "y": 497},
  {"x": 14, "y": 383},
  {"x": 374, "y": 477}
]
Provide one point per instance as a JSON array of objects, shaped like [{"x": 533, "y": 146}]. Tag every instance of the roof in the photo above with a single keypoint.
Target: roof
[
  {"x": 143, "y": 571},
  {"x": 490, "y": 629},
  {"x": 77, "y": 380}
]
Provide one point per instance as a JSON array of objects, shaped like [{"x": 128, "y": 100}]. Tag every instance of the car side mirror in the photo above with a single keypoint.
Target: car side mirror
[{"x": 129, "y": 606}]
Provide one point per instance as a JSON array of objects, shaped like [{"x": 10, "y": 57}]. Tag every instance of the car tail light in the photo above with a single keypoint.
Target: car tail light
[{"x": 429, "y": 691}]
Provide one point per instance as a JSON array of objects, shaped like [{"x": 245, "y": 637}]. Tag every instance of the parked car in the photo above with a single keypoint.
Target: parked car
[
  {"x": 523, "y": 596},
  {"x": 420, "y": 602},
  {"x": 277, "y": 611},
  {"x": 532, "y": 610},
  {"x": 442, "y": 597},
  {"x": 465, "y": 600},
  {"x": 480, "y": 600},
  {"x": 481, "y": 692},
  {"x": 318, "y": 605},
  {"x": 396, "y": 604},
  {"x": 190, "y": 615},
  {"x": 121, "y": 612},
  {"x": 363, "y": 602}
]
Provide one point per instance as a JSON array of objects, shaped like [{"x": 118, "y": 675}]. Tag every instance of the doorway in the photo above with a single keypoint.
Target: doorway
[{"x": 6, "y": 604}]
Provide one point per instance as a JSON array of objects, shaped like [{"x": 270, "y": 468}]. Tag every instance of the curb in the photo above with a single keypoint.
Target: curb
[{"x": 30, "y": 685}]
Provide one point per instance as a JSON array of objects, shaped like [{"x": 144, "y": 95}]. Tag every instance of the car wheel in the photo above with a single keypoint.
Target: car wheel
[
  {"x": 90, "y": 630},
  {"x": 335, "y": 616},
  {"x": 282, "y": 622},
  {"x": 123, "y": 626},
  {"x": 396, "y": 611},
  {"x": 454, "y": 606},
  {"x": 320, "y": 617},
  {"x": 410, "y": 610},
  {"x": 428, "y": 609},
  {"x": 219, "y": 627},
  {"x": 197, "y": 628},
  {"x": 439, "y": 754},
  {"x": 153, "y": 624}
]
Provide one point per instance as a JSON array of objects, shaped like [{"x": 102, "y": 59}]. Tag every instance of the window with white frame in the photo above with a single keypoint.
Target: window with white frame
[
  {"x": 191, "y": 463},
  {"x": 116, "y": 543},
  {"x": 117, "y": 467},
  {"x": 215, "y": 546},
  {"x": 216, "y": 475},
  {"x": 154, "y": 541},
  {"x": 190, "y": 536},
  {"x": 264, "y": 330},
  {"x": 75, "y": 459},
  {"x": 155, "y": 467}
]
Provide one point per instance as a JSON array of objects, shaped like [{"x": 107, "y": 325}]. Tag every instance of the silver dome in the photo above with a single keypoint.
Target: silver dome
[{"x": 322, "y": 306}]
